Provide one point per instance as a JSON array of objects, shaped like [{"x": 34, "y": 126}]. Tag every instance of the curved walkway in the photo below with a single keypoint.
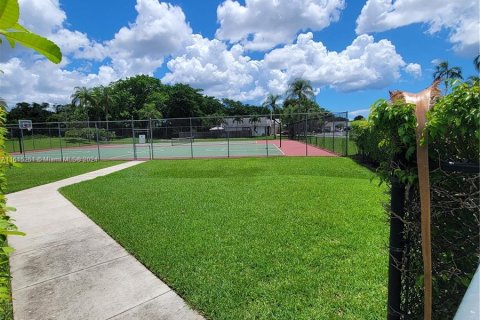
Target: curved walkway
[{"x": 68, "y": 268}]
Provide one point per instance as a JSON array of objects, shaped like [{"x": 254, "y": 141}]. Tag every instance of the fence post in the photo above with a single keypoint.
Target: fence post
[
  {"x": 266, "y": 140},
  {"x": 22, "y": 145},
  {"x": 98, "y": 143},
  {"x": 396, "y": 246},
  {"x": 347, "y": 134},
  {"x": 228, "y": 144},
  {"x": 133, "y": 140},
  {"x": 280, "y": 136},
  {"x": 151, "y": 137},
  {"x": 60, "y": 141},
  {"x": 305, "y": 133},
  {"x": 50, "y": 137},
  {"x": 33, "y": 140},
  {"x": 333, "y": 136},
  {"x": 12, "y": 138},
  {"x": 191, "y": 137}
]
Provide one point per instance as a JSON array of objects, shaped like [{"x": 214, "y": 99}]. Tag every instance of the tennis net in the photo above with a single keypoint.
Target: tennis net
[{"x": 181, "y": 141}]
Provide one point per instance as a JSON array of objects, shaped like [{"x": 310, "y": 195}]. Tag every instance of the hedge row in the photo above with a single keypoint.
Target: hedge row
[{"x": 388, "y": 139}]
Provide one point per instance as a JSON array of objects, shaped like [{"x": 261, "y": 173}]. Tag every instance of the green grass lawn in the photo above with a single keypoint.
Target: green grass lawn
[
  {"x": 30, "y": 175},
  {"x": 337, "y": 144},
  {"x": 43, "y": 142},
  {"x": 278, "y": 238}
]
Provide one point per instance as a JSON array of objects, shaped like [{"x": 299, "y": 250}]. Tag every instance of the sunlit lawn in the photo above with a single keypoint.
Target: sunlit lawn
[{"x": 282, "y": 238}]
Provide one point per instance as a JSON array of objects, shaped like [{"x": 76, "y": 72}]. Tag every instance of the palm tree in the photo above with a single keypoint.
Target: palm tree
[
  {"x": 445, "y": 73},
  {"x": 104, "y": 98},
  {"x": 271, "y": 102},
  {"x": 83, "y": 98},
  {"x": 237, "y": 120},
  {"x": 254, "y": 119},
  {"x": 301, "y": 90},
  {"x": 476, "y": 62}
]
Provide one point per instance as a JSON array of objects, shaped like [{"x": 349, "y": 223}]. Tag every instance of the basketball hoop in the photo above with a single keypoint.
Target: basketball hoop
[{"x": 25, "y": 124}]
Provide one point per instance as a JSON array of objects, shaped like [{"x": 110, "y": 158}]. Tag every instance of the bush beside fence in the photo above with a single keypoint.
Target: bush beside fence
[{"x": 388, "y": 139}]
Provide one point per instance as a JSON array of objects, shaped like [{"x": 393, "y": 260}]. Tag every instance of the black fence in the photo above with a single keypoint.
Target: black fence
[{"x": 256, "y": 135}]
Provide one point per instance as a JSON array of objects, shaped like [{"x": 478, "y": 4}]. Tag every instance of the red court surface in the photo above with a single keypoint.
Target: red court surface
[{"x": 291, "y": 148}]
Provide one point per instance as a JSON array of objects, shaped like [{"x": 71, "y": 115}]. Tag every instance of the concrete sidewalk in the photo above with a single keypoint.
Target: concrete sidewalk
[{"x": 68, "y": 268}]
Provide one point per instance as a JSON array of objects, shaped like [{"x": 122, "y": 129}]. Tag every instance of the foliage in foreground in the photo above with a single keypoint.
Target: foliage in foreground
[
  {"x": 278, "y": 238},
  {"x": 6, "y": 227},
  {"x": 388, "y": 139},
  {"x": 16, "y": 33}
]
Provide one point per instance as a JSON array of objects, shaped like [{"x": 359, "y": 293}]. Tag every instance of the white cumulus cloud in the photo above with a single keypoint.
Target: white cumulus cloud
[
  {"x": 263, "y": 24},
  {"x": 365, "y": 64},
  {"x": 42, "y": 81},
  {"x": 160, "y": 30},
  {"x": 223, "y": 72},
  {"x": 414, "y": 69},
  {"x": 460, "y": 18}
]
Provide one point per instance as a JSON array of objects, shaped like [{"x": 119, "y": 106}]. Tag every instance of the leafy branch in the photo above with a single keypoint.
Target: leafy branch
[{"x": 15, "y": 33}]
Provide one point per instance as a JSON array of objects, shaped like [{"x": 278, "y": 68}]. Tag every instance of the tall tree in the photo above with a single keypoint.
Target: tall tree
[
  {"x": 272, "y": 103},
  {"x": 133, "y": 93},
  {"x": 300, "y": 89},
  {"x": 446, "y": 73},
  {"x": 104, "y": 98},
  {"x": 238, "y": 120},
  {"x": 84, "y": 98},
  {"x": 476, "y": 62},
  {"x": 300, "y": 93},
  {"x": 24, "y": 110},
  {"x": 149, "y": 111},
  {"x": 254, "y": 119}
]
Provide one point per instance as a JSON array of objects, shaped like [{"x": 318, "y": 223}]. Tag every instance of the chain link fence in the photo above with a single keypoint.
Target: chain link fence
[{"x": 196, "y": 137}]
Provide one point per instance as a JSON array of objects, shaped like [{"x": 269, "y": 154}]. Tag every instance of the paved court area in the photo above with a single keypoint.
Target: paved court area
[
  {"x": 198, "y": 149},
  {"x": 68, "y": 268}
]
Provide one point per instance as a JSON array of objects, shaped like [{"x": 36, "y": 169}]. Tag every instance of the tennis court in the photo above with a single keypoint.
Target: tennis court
[
  {"x": 157, "y": 150},
  {"x": 180, "y": 138}
]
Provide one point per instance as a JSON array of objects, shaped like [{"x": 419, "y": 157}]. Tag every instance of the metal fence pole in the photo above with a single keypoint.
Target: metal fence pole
[
  {"x": 266, "y": 140},
  {"x": 151, "y": 137},
  {"x": 98, "y": 143},
  {"x": 280, "y": 136},
  {"x": 33, "y": 140},
  {"x": 324, "y": 137},
  {"x": 397, "y": 205},
  {"x": 60, "y": 141},
  {"x": 347, "y": 134},
  {"x": 12, "y": 138},
  {"x": 50, "y": 137},
  {"x": 191, "y": 138},
  {"x": 333, "y": 136},
  {"x": 133, "y": 141},
  {"x": 22, "y": 145},
  {"x": 305, "y": 132},
  {"x": 228, "y": 144}
]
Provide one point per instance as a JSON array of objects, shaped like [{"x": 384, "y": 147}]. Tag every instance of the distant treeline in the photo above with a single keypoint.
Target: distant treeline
[{"x": 144, "y": 97}]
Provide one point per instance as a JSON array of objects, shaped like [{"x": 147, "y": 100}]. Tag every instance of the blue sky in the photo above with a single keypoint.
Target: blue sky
[{"x": 352, "y": 51}]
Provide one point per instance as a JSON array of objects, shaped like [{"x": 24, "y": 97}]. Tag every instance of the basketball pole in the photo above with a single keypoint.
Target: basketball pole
[{"x": 22, "y": 145}]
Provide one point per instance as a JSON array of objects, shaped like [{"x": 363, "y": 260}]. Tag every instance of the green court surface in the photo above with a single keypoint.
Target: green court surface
[{"x": 163, "y": 150}]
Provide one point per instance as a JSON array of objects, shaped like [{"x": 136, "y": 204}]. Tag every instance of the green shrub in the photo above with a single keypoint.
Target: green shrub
[
  {"x": 366, "y": 140},
  {"x": 453, "y": 135},
  {"x": 89, "y": 134},
  {"x": 6, "y": 227}
]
